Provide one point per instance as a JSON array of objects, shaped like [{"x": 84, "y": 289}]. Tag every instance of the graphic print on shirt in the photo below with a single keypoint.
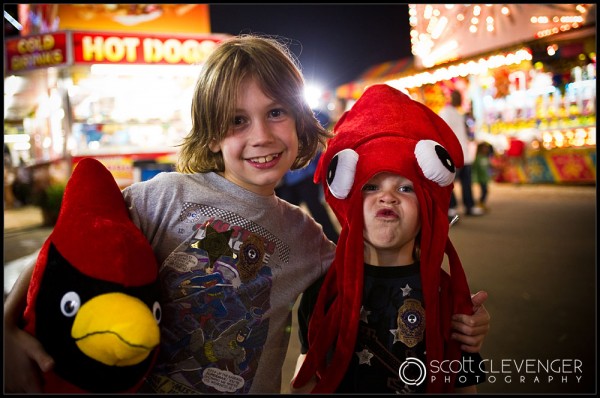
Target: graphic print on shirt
[
  {"x": 217, "y": 288},
  {"x": 392, "y": 328}
]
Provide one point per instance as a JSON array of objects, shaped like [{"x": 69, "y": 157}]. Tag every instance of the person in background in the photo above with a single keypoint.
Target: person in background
[
  {"x": 233, "y": 256},
  {"x": 482, "y": 172},
  {"x": 386, "y": 300},
  {"x": 9, "y": 179},
  {"x": 452, "y": 114},
  {"x": 23, "y": 185},
  {"x": 297, "y": 187},
  {"x": 517, "y": 160}
]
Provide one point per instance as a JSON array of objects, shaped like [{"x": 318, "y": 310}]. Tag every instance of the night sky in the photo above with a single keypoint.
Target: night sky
[{"x": 335, "y": 43}]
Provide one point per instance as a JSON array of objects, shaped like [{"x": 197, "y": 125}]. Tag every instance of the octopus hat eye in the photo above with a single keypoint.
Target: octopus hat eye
[
  {"x": 435, "y": 162},
  {"x": 340, "y": 175}
]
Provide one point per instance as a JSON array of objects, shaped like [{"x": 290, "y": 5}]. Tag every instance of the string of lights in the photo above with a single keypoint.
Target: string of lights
[{"x": 444, "y": 32}]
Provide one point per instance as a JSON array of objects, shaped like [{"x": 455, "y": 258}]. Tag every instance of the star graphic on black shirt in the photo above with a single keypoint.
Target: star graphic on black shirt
[
  {"x": 406, "y": 290},
  {"x": 364, "y": 357},
  {"x": 364, "y": 314}
]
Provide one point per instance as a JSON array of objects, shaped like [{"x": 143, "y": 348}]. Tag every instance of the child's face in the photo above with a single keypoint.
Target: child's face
[
  {"x": 392, "y": 220},
  {"x": 262, "y": 143}
]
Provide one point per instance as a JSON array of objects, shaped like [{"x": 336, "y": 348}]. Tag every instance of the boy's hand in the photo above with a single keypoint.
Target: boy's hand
[
  {"x": 472, "y": 329},
  {"x": 26, "y": 357},
  {"x": 24, "y": 353}
]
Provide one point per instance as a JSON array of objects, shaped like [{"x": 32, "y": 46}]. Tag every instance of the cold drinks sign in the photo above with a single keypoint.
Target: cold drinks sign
[
  {"x": 67, "y": 48},
  {"x": 34, "y": 52}
]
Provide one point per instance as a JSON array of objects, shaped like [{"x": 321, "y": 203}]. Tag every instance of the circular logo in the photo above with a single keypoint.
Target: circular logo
[{"x": 412, "y": 371}]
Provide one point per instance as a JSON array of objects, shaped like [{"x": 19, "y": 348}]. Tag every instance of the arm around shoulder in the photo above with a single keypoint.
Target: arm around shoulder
[{"x": 22, "y": 350}]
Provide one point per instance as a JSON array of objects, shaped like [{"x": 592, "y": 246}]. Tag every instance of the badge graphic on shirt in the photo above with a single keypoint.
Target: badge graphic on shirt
[
  {"x": 411, "y": 323},
  {"x": 252, "y": 253}
]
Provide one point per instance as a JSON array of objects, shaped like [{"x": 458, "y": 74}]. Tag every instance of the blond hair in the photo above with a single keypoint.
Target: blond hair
[{"x": 277, "y": 73}]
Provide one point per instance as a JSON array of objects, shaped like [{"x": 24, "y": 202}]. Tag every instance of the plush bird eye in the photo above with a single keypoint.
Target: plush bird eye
[
  {"x": 435, "y": 162},
  {"x": 69, "y": 304},
  {"x": 340, "y": 175},
  {"x": 157, "y": 312}
]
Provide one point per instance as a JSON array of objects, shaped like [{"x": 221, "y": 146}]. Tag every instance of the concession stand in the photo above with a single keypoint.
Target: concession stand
[{"x": 104, "y": 81}]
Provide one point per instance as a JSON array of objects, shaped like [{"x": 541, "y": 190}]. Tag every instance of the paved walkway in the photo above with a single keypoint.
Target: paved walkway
[
  {"x": 22, "y": 218},
  {"x": 21, "y": 227}
]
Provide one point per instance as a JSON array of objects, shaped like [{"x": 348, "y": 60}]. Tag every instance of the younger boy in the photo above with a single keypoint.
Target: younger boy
[{"x": 382, "y": 319}]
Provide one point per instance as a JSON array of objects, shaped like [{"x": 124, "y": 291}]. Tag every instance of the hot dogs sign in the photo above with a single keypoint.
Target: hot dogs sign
[{"x": 141, "y": 49}]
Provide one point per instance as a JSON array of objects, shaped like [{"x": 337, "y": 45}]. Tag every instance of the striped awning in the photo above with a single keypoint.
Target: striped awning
[
  {"x": 387, "y": 69},
  {"x": 376, "y": 74}
]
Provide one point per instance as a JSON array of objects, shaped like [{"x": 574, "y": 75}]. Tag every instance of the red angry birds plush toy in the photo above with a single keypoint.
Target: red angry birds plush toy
[
  {"x": 93, "y": 297},
  {"x": 386, "y": 131}
]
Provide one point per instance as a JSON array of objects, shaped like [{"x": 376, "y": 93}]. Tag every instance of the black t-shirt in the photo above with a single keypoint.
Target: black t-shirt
[{"x": 392, "y": 329}]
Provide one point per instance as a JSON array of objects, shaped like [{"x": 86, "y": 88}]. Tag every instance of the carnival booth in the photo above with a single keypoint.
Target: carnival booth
[
  {"x": 93, "y": 82},
  {"x": 528, "y": 77}
]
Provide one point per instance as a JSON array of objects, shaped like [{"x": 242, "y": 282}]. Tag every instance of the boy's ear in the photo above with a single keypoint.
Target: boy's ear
[{"x": 214, "y": 146}]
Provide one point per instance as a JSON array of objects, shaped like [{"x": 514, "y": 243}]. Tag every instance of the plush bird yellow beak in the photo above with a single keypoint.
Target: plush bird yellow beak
[{"x": 116, "y": 329}]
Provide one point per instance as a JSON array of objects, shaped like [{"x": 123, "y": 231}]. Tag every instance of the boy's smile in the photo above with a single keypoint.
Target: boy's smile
[{"x": 264, "y": 161}]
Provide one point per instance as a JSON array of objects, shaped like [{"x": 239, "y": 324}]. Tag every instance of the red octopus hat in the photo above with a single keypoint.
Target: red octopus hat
[{"x": 386, "y": 131}]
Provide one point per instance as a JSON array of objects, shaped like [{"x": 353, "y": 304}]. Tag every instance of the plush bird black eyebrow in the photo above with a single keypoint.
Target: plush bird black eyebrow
[{"x": 59, "y": 272}]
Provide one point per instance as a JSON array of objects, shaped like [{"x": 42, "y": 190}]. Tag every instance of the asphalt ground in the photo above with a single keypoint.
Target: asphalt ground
[{"x": 535, "y": 254}]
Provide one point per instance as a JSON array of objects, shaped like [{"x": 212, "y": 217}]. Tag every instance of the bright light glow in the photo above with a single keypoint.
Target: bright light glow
[
  {"x": 428, "y": 11},
  {"x": 8, "y": 102},
  {"x": 442, "y": 51},
  {"x": 13, "y": 85},
  {"x": 462, "y": 69},
  {"x": 22, "y": 146},
  {"x": 14, "y": 138},
  {"x": 439, "y": 28},
  {"x": 145, "y": 70},
  {"x": 43, "y": 110},
  {"x": 128, "y": 92},
  {"x": 551, "y": 50},
  {"x": 312, "y": 95}
]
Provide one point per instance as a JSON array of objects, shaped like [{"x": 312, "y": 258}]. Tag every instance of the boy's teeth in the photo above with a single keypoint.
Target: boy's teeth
[{"x": 264, "y": 159}]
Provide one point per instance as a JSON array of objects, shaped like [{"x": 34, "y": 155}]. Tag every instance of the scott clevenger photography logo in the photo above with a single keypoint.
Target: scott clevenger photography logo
[{"x": 412, "y": 372}]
